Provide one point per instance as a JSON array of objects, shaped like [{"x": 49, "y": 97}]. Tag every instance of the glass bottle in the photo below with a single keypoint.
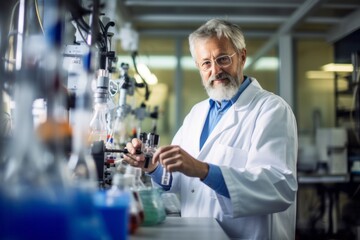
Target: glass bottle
[
  {"x": 136, "y": 186},
  {"x": 118, "y": 132},
  {"x": 81, "y": 163},
  {"x": 135, "y": 214},
  {"x": 98, "y": 123},
  {"x": 35, "y": 189},
  {"x": 113, "y": 205},
  {"x": 36, "y": 180},
  {"x": 147, "y": 148},
  {"x": 139, "y": 184}
]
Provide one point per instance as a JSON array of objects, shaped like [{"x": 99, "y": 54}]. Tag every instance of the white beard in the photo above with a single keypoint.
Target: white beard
[{"x": 222, "y": 92}]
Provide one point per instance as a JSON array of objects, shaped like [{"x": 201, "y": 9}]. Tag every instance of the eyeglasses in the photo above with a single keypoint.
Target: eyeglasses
[{"x": 221, "y": 61}]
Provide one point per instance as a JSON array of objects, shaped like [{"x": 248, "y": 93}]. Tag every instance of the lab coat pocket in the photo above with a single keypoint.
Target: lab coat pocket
[{"x": 223, "y": 155}]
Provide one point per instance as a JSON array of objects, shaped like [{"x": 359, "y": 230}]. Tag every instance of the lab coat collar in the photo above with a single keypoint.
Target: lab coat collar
[
  {"x": 231, "y": 117},
  {"x": 248, "y": 95}
]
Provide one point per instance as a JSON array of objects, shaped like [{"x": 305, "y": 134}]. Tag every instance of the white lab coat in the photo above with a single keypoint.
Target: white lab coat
[{"x": 255, "y": 145}]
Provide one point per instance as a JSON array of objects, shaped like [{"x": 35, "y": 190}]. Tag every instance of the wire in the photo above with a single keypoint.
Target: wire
[
  {"x": 38, "y": 15},
  {"x": 81, "y": 34},
  {"x": 82, "y": 24},
  {"x": 104, "y": 35},
  {"x": 147, "y": 92},
  {"x": 12, "y": 15},
  {"x": 9, "y": 54}
]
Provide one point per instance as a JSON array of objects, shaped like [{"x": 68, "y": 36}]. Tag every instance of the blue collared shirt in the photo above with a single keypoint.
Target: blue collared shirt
[{"x": 215, "y": 179}]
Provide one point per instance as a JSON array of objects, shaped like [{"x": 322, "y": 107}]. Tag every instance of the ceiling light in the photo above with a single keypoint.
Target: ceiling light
[
  {"x": 319, "y": 75},
  {"x": 187, "y": 62},
  {"x": 337, "y": 67},
  {"x": 267, "y": 63},
  {"x": 152, "y": 79},
  {"x": 138, "y": 78},
  {"x": 143, "y": 70}
]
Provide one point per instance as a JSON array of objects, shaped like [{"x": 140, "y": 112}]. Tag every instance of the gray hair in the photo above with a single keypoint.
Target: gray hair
[{"x": 219, "y": 28}]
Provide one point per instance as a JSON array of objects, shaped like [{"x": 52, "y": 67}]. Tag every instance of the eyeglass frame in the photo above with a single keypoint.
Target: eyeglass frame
[{"x": 222, "y": 66}]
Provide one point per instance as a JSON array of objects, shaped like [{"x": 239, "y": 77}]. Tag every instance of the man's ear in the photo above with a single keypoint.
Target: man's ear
[{"x": 243, "y": 55}]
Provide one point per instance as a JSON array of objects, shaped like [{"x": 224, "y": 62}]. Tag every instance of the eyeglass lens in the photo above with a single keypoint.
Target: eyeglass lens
[{"x": 221, "y": 61}]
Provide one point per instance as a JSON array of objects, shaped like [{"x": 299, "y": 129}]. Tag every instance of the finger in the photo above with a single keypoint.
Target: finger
[
  {"x": 130, "y": 147},
  {"x": 135, "y": 157},
  {"x": 156, "y": 155},
  {"x": 131, "y": 160},
  {"x": 174, "y": 167},
  {"x": 136, "y": 142},
  {"x": 159, "y": 151},
  {"x": 134, "y": 145},
  {"x": 170, "y": 155}
]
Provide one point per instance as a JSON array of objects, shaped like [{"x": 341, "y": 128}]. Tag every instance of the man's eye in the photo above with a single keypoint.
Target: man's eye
[
  {"x": 223, "y": 60},
  {"x": 206, "y": 64}
]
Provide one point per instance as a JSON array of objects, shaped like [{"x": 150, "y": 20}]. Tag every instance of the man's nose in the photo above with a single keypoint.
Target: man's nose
[{"x": 215, "y": 68}]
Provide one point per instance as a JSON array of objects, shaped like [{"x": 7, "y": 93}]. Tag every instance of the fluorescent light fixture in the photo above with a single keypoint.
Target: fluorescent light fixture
[
  {"x": 152, "y": 80},
  {"x": 138, "y": 78},
  {"x": 319, "y": 75},
  {"x": 267, "y": 63},
  {"x": 337, "y": 67},
  {"x": 188, "y": 62},
  {"x": 143, "y": 70},
  {"x": 161, "y": 62},
  {"x": 153, "y": 61}
]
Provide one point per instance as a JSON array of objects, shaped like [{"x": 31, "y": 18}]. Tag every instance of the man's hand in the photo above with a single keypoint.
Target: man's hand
[
  {"x": 175, "y": 159},
  {"x": 137, "y": 160}
]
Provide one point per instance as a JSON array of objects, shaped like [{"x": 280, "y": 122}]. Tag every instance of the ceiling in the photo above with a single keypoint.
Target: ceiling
[
  {"x": 265, "y": 19},
  {"x": 261, "y": 18}
]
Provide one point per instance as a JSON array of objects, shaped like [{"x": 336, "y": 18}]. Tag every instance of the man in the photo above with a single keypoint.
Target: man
[{"x": 234, "y": 157}]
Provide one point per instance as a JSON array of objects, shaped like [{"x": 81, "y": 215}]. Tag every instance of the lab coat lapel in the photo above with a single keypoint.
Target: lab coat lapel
[
  {"x": 198, "y": 125},
  {"x": 227, "y": 121},
  {"x": 231, "y": 116}
]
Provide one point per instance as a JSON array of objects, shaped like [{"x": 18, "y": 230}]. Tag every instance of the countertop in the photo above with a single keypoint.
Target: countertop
[{"x": 178, "y": 228}]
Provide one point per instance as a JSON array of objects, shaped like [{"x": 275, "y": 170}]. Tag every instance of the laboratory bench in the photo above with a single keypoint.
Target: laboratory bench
[
  {"x": 322, "y": 178},
  {"x": 332, "y": 191},
  {"x": 178, "y": 228}
]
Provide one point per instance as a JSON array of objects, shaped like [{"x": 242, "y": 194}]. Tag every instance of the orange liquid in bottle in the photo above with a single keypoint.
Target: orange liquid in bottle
[
  {"x": 134, "y": 222},
  {"x": 140, "y": 206}
]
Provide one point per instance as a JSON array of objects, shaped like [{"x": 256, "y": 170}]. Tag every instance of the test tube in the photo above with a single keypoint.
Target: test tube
[{"x": 165, "y": 179}]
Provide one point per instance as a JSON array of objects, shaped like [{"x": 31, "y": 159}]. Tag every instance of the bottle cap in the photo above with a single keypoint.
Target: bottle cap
[
  {"x": 153, "y": 139},
  {"x": 143, "y": 137}
]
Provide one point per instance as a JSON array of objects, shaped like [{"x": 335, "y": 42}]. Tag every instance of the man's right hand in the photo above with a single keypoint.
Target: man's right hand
[{"x": 137, "y": 160}]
